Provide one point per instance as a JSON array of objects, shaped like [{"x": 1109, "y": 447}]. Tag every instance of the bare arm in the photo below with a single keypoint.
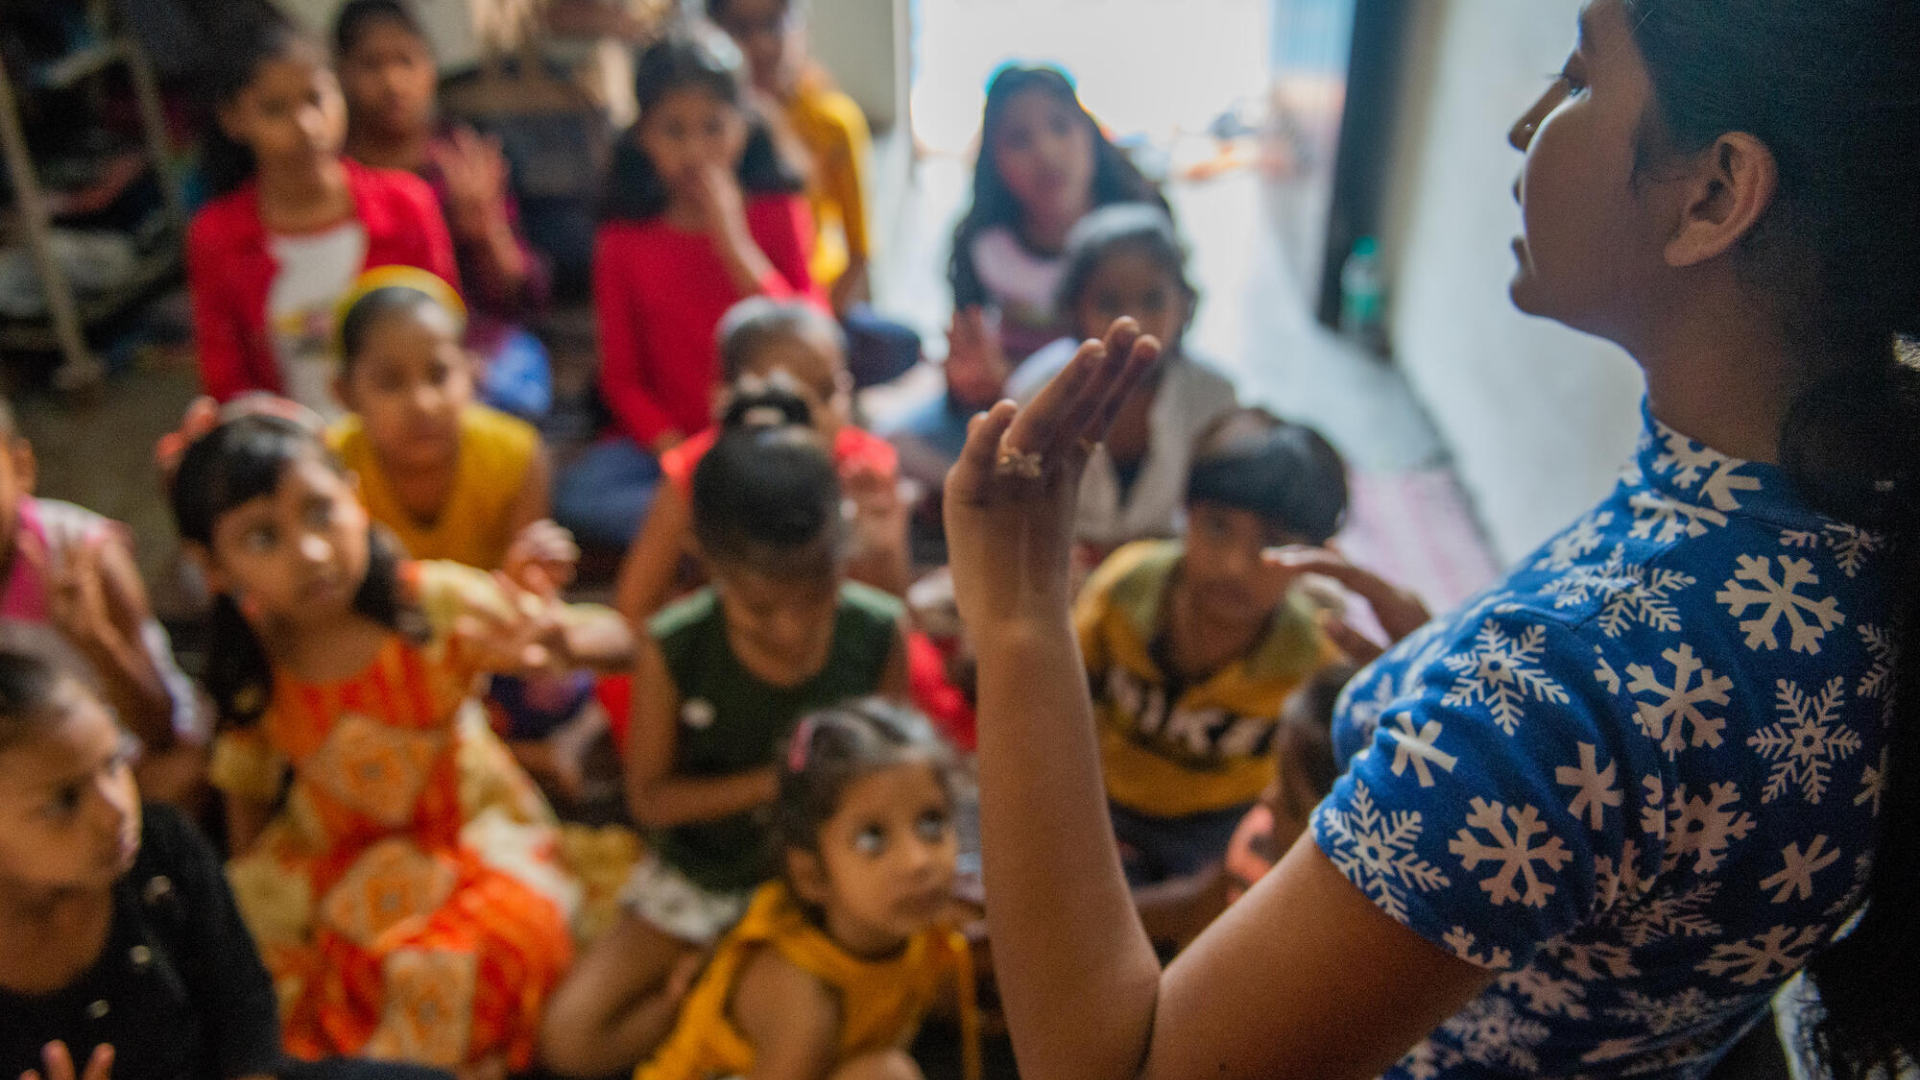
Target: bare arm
[
  {"x": 535, "y": 499},
  {"x": 647, "y": 572},
  {"x": 656, "y": 797},
  {"x": 1306, "y": 977},
  {"x": 247, "y": 818},
  {"x": 791, "y": 1019}
]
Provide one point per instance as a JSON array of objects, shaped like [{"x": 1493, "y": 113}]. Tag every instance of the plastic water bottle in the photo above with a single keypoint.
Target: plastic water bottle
[{"x": 1363, "y": 295}]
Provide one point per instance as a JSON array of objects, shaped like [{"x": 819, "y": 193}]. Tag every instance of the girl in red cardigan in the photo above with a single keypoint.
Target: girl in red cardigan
[
  {"x": 701, "y": 214},
  {"x": 292, "y": 224}
]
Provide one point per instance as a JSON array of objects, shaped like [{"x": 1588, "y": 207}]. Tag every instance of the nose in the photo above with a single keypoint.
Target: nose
[
  {"x": 1520, "y": 136},
  {"x": 312, "y": 123}
]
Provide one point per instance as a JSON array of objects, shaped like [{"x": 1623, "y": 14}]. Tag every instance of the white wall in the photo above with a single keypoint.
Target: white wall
[
  {"x": 864, "y": 44},
  {"x": 1538, "y": 417}
]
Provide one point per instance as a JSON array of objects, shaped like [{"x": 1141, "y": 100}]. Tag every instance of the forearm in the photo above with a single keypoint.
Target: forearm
[
  {"x": 599, "y": 638},
  {"x": 246, "y": 820},
  {"x": 747, "y": 266},
  {"x": 137, "y": 692},
  {"x": 1076, "y": 970},
  {"x": 501, "y": 267},
  {"x": 673, "y": 801}
]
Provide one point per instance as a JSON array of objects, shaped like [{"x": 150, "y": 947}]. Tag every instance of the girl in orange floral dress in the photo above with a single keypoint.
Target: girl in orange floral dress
[{"x": 402, "y": 888}]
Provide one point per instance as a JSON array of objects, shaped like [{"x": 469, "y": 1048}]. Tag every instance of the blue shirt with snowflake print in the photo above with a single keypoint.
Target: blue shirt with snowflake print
[{"x": 1640, "y": 777}]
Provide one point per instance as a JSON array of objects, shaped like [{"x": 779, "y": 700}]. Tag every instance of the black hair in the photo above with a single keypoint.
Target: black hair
[
  {"x": 1115, "y": 178},
  {"x": 754, "y": 323},
  {"x": 683, "y": 61},
  {"x": 833, "y": 748},
  {"x": 767, "y": 495},
  {"x": 1306, "y": 735},
  {"x": 242, "y": 46},
  {"x": 241, "y": 460},
  {"x": 1287, "y": 473},
  {"x": 1833, "y": 91},
  {"x": 357, "y": 15},
  {"x": 1141, "y": 227},
  {"x": 33, "y": 692},
  {"x": 374, "y": 308}
]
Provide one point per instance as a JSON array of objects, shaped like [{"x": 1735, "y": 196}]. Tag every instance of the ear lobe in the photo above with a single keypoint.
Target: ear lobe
[
  {"x": 1734, "y": 184},
  {"x": 808, "y": 876}
]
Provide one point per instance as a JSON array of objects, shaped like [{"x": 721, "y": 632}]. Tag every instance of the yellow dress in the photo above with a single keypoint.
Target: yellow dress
[
  {"x": 881, "y": 1001},
  {"x": 406, "y": 896},
  {"x": 497, "y": 452},
  {"x": 834, "y": 131}
]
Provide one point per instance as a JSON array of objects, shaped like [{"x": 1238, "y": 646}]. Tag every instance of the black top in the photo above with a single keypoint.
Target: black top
[{"x": 178, "y": 990}]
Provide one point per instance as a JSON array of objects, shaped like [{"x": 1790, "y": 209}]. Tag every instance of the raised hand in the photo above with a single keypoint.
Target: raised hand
[
  {"x": 1010, "y": 499},
  {"x": 977, "y": 366},
  {"x": 546, "y": 547},
  {"x": 1398, "y": 611},
  {"x": 476, "y": 176},
  {"x": 722, "y": 205},
  {"x": 524, "y": 636},
  {"x": 58, "y": 1062}
]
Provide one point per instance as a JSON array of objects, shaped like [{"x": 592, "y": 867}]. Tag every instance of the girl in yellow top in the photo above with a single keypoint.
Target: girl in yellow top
[
  {"x": 833, "y": 967},
  {"x": 452, "y": 478}
]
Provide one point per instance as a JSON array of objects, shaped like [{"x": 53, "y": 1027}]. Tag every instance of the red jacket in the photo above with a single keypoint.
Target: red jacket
[
  {"x": 660, "y": 291},
  {"x": 230, "y": 269}
]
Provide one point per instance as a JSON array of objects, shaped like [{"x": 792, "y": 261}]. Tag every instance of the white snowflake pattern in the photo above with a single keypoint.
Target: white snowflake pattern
[
  {"x": 1797, "y": 874},
  {"x": 1873, "y": 781},
  {"x": 1882, "y": 654},
  {"x": 1763, "y": 957},
  {"x": 1466, "y": 946},
  {"x": 1491, "y": 1031},
  {"x": 1671, "y": 913},
  {"x": 1545, "y": 994},
  {"x": 1851, "y": 545},
  {"x": 1665, "y": 1015},
  {"x": 1576, "y": 543},
  {"x": 1502, "y": 672},
  {"x": 1378, "y": 851},
  {"x": 1683, "y": 460},
  {"x": 1664, "y": 520},
  {"x": 1363, "y": 712},
  {"x": 1513, "y": 849},
  {"x": 1424, "y": 1062},
  {"x": 1679, "y": 705},
  {"x": 1627, "y": 594},
  {"x": 1604, "y": 672},
  {"x": 1416, "y": 747},
  {"x": 1617, "y": 883},
  {"x": 1703, "y": 828},
  {"x": 1806, "y": 741},
  {"x": 1777, "y": 600},
  {"x": 1593, "y": 786},
  {"x": 1594, "y": 960}
]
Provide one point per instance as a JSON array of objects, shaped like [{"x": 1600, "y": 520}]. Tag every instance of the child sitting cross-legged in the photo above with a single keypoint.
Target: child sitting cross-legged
[
  {"x": 722, "y": 680},
  {"x": 1193, "y": 647}
]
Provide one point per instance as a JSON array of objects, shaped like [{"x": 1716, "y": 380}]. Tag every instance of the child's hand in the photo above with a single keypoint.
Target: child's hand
[
  {"x": 1398, "y": 611},
  {"x": 1010, "y": 500},
  {"x": 77, "y": 603},
  {"x": 476, "y": 176},
  {"x": 722, "y": 206},
  {"x": 547, "y": 548},
  {"x": 977, "y": 366},
  {"x": 59, "y": 1064},
  {"x": 527, "y": 638}
]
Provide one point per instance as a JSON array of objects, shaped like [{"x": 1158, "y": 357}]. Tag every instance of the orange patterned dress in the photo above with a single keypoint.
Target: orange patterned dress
[{"x": 406, "y": 898}]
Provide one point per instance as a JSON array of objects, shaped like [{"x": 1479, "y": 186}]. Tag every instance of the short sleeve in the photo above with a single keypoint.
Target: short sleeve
[{"x": 1496, "y": 806}]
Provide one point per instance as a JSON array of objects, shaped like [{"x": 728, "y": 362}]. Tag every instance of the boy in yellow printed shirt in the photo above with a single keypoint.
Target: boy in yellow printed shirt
[{"x": 1192, "y": 648}]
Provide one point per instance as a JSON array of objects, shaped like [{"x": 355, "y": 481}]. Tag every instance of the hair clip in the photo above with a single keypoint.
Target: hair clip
[{"x": 800, "y": 746}]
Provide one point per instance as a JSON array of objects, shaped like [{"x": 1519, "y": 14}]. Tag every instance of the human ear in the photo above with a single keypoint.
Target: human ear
[{"x": 1728, "y": 188}]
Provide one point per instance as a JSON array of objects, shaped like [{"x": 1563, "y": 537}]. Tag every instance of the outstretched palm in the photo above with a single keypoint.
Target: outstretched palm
[{"x": 1010, "y": 499}]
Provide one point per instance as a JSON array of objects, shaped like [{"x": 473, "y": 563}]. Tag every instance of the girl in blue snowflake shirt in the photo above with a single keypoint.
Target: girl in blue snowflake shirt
[{"x": 1592, "y": 821}]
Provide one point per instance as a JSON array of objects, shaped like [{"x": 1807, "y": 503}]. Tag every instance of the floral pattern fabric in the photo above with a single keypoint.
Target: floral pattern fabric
[{"x": 1640, "y": 778}]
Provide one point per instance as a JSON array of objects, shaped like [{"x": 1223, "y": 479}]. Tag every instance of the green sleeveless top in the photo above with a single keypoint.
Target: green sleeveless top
[{"x": 732, "y": 722}]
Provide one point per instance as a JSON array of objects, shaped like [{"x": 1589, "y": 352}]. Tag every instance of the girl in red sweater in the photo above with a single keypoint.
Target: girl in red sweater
[
  {"x": 701, "y": 214},
  {"x": 292, "y": 223}
]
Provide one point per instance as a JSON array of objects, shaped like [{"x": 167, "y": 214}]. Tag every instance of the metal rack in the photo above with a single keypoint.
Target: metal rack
[{"x": 68, "y": 318}]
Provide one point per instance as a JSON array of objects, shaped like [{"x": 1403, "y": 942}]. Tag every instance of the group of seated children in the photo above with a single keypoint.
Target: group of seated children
[{"x": 373, "y": 529}]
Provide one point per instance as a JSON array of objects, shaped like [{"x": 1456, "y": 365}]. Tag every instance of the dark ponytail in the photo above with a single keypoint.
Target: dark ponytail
[
  {"x": 767, "y": 495},
  {"x": 1833, "y": 89},
  {"x": 241, "y": 460},
  {"x": 242, "y": 46}
]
